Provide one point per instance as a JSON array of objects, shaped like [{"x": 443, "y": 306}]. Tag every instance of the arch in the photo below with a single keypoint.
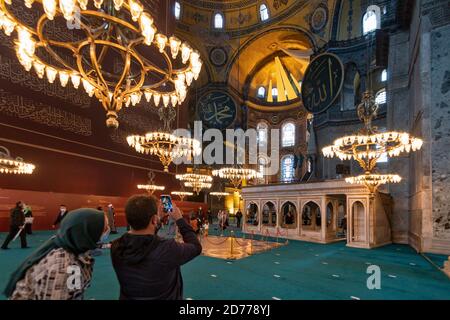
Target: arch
[
  {"x": 177, "y": 10},
  {"x": 288, "y": 132},
  {"x": 219, "y": 21},
  {"x": 261, "y": 92},
  {"x": 341, "y": 220},
  {"x": 264, "y": 13},
  {"x": 269, "y": 214},
  {"x": 384, "y": 75},
  {"x": 311, "y": 217},
  {"x": 263, "y": 39},
  {"x": 358, "y": 222},
  {"x": 288, "y": 216},
  {"x": 372, "y": 19},
  {"x": 351, "y": 88},
  {"x": 251, "y": 214},
  {"x": 381, "y": 97}
]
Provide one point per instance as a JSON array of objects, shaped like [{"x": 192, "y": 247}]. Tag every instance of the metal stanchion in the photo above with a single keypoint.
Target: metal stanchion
[{"x": 231, "y": 257}]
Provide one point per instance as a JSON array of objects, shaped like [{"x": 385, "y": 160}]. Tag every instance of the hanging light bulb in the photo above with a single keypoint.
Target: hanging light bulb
[
  {"x": 185, "y": 52},
  {"x": 26, "y": 42},
  {"x": 67, "y": 8},
  {"x": 39, "y": 68},
  {"x": 174, "y": 99},
  {"x": 175, "y": 44},
  {"x": 161, "y": 40},
  {"x": 29, "y": 3},
  {"x": 8, "y": 25},
  {"x": 166, "y": 99},
  {"x": 98, "y": 3},
  {"x": 189, "y": 77},
  {"x": 156, "y": 99},
  {"x": 118, "y": 4},
  {"x": 147, "y": 28},
  {"x": 88, "y": 87},
  {"x": 148, "y": 95},
  {"x": 63, "y": 78},
  {"x": 135, "y": 9},
  {"x": 49, "y": 8},
  {"x": 83, "y": 4},
  {"x": 75, "y": 78},
  {"x": 51, "y": 74}
]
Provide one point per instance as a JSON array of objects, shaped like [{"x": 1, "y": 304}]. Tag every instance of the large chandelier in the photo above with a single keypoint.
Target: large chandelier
[
  {"x": 369, "y": 145},
  {"x": 108, "y": 51},
  {"x": 219, "y": 194},
  {"x": 236, "y": 175},
  {"x": 150, "y": 187},
  {"x": 182, "y": 194},
  {"x": 13, "y": 166},
  {"x": 196, "y": 181},
  {"x": 165, "y": 146}
]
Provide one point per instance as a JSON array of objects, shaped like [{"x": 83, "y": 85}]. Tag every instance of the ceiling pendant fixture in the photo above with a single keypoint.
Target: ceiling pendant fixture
[
  {"x": 115, "y": 51},
  {"x": 219, "y": 195},
  {"x": 196, "y": 181},
  {"x": 236, "y": 175},
  {"x": 369, "y": 145},
  {"x": 182, "y": 194},
  {"x": 10, "y": 165},
  {"x": 151, "y": 187},
  {"x": 165, "y": 146}
]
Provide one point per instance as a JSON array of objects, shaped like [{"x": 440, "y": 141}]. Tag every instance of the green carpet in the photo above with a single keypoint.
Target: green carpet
[{"x": 299, "y": 270}]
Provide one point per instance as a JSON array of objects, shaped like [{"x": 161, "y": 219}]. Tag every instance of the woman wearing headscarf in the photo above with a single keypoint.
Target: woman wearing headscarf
[{"x": 60, "y": 269}]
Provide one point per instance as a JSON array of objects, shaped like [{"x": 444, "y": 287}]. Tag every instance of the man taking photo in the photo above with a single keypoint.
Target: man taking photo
[{"x": 148, "y": 267}]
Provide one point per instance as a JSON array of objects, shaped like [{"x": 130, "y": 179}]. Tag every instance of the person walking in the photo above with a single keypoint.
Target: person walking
[
  {"x": 48, "y": 272},
  {"x": 16, "y": 224}
]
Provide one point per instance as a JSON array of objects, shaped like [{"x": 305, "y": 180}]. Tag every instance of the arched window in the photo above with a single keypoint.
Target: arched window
[
  {"x": 264, "y": 12},
  {"x": 380, "y": 97},
  {"x": 372, "y": 19},
  {"x": 274, "y": 92},
  {"x": 262, "y": 131},
  {"x": 384, "y": 75},
  {"x": 263, "y": 163},
  {"x": 261, "y": 92},
  {"x": 177, "y": 10},
  {"x": 288, "y": 135},
  {"x": 218, "y": 21},
  {"x": 287, "y": 168}
]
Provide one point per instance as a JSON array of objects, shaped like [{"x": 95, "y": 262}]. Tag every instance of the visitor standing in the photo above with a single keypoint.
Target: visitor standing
[
  {"x": 148, "y": 267},
  {"x": 111, "y": 214},
  {"x": 46, "y": 274},
  {"x": 28, "y": 219},
  {"x": 238, "y": 218},
  {"x": 63, "y": 212},
  {"x": 16, "y": 225}
]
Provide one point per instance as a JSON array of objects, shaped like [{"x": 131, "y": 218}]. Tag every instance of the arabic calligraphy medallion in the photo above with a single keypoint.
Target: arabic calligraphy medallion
[
  {"x": 322, "y": 83},
  {"x": 216, "y": 109}
]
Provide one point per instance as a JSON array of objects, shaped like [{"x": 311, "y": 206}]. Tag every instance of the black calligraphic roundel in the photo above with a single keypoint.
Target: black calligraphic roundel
[
  {"x": 216, "y": 109},
  {"x": 322, "y": 82}
]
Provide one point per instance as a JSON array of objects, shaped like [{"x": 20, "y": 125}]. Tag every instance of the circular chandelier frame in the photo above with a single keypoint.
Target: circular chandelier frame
[{"x": 9, "y": 165}]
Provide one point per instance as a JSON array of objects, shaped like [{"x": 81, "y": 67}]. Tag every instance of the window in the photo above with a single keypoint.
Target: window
[
  {"x": 177, "y": 10},
  {"x": 372, "y": 19},
  {"x": 262, "y": 131},
  {"x": 264, "y": 12},
  {"x": 218, "y": 21},
  {"x": 287, "y": 169},
  {"x": 274, "y": 92},
  {"x": 261, "y": 92},
  {"x": 380, "y": 97},
  {"x": 384, "y": 76},
  {"x": 288, "y": 135},
  {"x": 262, "y": 163}
]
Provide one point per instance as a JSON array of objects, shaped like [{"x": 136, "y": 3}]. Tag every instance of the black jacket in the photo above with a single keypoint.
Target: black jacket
[
  {"x": 60, "y": 218},
  {"x": 17, "y": 217},
  {"x": 148, "y": 267}
]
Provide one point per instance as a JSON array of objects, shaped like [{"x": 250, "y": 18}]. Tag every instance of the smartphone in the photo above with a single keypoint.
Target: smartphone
[{"x": 166, "y": 201}]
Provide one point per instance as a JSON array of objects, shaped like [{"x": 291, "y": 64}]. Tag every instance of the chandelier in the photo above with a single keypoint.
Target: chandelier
[
  {"x": 165, "y": 146},
  {"x": 14, "y": 166},
  {"x": 182, "y": 194},
  {"x": 369, "y": 145},
  {"x": 236, "y": 175},
  {"x": 196, "y": 181},
  {"x": 107, "y": 48},
  {"x": 150, "y": 188},
  {"x": 219, "y": 194}
]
